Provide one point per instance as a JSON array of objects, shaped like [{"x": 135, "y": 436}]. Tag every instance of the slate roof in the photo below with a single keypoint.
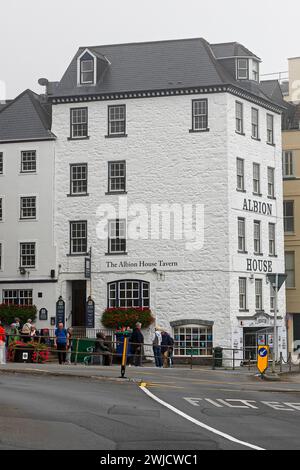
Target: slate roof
[{"x": 25, "y": 118}]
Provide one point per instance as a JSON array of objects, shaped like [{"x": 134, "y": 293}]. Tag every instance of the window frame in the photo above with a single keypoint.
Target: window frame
[
  {"x": 290, "y": 164},
  {"x": 255, "y": 125},
  {"x": 243, "y": 295},
  {"x": 18, "y": 297},
  {"x": 142, "y": 300},
  {"x": 270, "y": 131},
  {"x": 242, "y": 220},
  {"x": 239, "y": 68},
  {"x": 71, "y": 250},
  {"x": 288, "y": 217},
  {"x": 293, "y": 270},
  {"x": 72, "y": 166},
  {"x": 205, "y": 115},
  {"x": 257, "y": 223},
  {"x": 271, "y": 184},
  {"x": 259, "y": 295},
  {"x": 117, "y": 239},
  {"x": 34, "y": 208},
  {"x": 239, "y": 129},
  {"x": 81, "y": 71},
  {"x": 257, "y": 181},
  {"x": 272, "y": 241},
  {"x": 33, "y": 255},
  {"x": 116, "y": 134},
  {"x": 34, "y": 154},
  {"x": 204, "y": 341},
  {"x": 81, "y": 137},
  {"x": 110, "y": 178},
  {"x": 241, "y": 176}
]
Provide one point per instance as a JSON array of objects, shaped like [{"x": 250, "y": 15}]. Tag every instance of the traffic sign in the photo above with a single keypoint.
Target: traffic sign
[
  {"x": 263, "y": 358},
  {"x": 281, "y": 278}
]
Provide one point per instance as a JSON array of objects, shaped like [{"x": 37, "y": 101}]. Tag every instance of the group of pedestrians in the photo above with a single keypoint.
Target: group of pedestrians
[{"x": 163, "y": 346}]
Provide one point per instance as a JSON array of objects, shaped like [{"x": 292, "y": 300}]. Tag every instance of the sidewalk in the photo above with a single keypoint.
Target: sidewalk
[{"x": 133, "y": 374}]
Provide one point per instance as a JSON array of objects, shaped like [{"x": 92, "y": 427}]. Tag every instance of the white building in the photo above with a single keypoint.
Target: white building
[
  {"x": 180, "y": 123},
  {"x": 27, "y": 148}
]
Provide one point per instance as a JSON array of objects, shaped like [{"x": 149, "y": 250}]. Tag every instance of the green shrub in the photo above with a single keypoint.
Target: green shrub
[
  {"x": 116, "y": 318},
  {"x": 8, "y": 313}
]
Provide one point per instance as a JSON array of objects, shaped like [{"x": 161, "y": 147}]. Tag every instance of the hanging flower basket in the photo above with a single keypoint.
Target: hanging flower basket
[{"x": 118, "y": 318}]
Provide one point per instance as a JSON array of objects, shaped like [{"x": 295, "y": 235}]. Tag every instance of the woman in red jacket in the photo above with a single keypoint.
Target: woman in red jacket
[{"x": 2, "y": 345}]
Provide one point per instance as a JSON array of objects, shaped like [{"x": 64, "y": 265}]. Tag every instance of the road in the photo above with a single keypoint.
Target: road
[{"x": 172, "y": 410}]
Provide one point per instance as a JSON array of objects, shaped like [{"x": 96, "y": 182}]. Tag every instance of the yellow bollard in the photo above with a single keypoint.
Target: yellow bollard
[{"x": 124, "y": 358}]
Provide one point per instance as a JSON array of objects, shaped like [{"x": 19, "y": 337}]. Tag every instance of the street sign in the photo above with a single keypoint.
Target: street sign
[
  {"x": 263, "y": 358},
  {"x": 281, "y": 278},
  {"x": 90, "y": 314},
  {"x": 60, "y": 311}
]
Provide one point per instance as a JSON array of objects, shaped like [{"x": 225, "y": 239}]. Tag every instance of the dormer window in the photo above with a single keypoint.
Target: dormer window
[
  {"x": 86, "y": 69},
  {"x": 242, "y": 69}
]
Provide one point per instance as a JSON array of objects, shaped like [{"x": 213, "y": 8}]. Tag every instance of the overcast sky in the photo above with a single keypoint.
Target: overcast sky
[{"x": 39, "y": 38}]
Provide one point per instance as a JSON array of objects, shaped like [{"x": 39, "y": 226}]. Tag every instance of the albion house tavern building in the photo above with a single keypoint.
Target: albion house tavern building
[{"x": 173, "y": 122}]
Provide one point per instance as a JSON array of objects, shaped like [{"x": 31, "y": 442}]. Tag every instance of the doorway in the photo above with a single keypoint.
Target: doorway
[
  {"x": 254, "y": 337},
  {"x": 78, "y": 303}
]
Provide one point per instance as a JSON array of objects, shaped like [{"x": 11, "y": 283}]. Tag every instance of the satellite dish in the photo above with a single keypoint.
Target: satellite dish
[{"x": 43, "y": 82}]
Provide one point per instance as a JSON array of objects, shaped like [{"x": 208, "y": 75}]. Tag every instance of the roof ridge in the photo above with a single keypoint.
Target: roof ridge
[{"x": 143, "y": 42}]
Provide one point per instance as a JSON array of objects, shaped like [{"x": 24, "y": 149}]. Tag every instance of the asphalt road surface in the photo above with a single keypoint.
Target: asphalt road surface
[{"x": 171, "y": 410}]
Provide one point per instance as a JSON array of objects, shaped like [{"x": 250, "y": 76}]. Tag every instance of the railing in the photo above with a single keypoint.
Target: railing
[{"x": 226, "y": 358}]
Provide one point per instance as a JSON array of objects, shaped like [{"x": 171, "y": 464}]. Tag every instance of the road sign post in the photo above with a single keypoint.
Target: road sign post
[
  {"x": 277, "y": 281},
  {"x": 263, "y": 359}
]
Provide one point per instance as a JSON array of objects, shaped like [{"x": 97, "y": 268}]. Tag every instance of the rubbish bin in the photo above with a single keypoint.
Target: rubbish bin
[
  {"x": 120, "y": 343},
  {"x": 218, "y": 357},
  {"x": 23, "y": 355}
]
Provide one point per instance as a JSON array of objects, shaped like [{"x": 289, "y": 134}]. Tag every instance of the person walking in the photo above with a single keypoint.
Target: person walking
[
  {"x": 60, "y": 343},
  {"x": 157, "y": 347},
  {"x": 137, "y": 342},
  {"x": 26, "y": 331},
  {"x": 2, "y": 345},
  {"x": 166, "y": 344},
  {"x": 69, "y": 345}
]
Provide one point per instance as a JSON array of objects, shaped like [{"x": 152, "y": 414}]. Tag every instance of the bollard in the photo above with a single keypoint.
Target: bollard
[
  {"x": 281, "y": 361},
  {"x": 76, "y": 355},
  {"x": 214, "y": 361},
  {"x": 124, "y": 358}
]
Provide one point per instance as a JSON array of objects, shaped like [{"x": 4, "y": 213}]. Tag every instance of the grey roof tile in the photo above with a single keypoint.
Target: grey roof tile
[
  {"x": 149, "y": 66},
  {"x": 25, "y": 118}
]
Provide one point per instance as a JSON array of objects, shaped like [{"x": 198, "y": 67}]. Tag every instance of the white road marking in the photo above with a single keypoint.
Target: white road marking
[
  {"x": 198, "y": 423},
  {"x": 243, "y": 404}
]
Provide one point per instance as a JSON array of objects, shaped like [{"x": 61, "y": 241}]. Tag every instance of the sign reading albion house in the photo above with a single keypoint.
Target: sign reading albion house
[{"x": 258, "y": 207}]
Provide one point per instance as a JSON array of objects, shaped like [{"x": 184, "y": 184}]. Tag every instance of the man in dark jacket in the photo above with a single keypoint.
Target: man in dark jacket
[
  {"x": 166, "y": 346},
  {"x": 137, "y": 341}
]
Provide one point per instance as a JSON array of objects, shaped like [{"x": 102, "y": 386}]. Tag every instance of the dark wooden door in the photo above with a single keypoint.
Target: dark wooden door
[{"x": 78, "y": 303}]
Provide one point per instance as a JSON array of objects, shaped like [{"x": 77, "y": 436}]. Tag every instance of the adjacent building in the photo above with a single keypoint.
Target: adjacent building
[
  {"x": 152, "y": 132},
  {"x": 27, "y": 251},
  {"x": 291, "y": 189}
]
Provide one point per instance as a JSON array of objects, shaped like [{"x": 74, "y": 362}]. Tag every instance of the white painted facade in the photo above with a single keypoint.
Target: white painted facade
[
  {"x": 165, "y": 163},
  {"x": 13, "y": 231}
]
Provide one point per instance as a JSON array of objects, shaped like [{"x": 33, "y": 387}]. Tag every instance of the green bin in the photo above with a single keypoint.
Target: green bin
[{"x": 218, "y": 357}]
